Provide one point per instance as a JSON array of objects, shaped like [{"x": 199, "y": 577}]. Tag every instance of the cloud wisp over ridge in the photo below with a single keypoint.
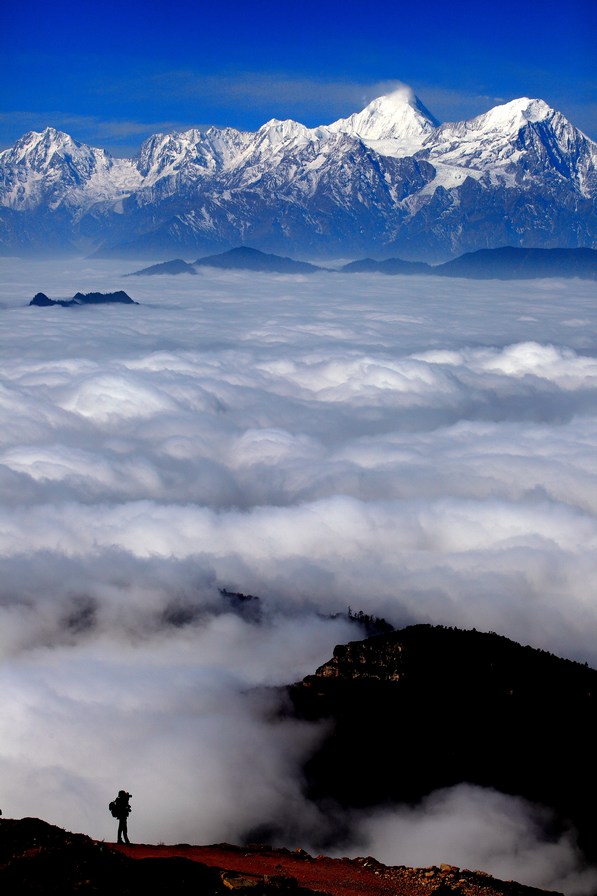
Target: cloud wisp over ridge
[{"x": 422, "y": 450}]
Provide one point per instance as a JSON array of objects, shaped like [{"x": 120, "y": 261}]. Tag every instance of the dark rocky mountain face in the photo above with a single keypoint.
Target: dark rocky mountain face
[
  {"x": 387, "y": 180},
  {"x": 429, "y": 707}
]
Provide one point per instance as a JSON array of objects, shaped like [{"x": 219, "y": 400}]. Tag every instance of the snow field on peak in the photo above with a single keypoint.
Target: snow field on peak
[
  {"x": 205, "y": 152},
  {"x": 512, "y": 116}
]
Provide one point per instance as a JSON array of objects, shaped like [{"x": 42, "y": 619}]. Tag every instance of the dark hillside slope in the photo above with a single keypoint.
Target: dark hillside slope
[{"x": 429, "y": 707}]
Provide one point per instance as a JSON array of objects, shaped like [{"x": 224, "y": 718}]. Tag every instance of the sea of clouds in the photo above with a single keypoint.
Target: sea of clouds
[{"x": 421, "y": 449}]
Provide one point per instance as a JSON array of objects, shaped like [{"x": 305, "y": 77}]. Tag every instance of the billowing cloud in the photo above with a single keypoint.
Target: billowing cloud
[
  {"x": 421, "y": 449},
  {"x": 478, "y": 828}
]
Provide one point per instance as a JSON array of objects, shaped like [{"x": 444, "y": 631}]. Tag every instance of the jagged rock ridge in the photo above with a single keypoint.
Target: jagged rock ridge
[
  {"x": 119, "y": 297},
  {"x": 387, "y": 179}
]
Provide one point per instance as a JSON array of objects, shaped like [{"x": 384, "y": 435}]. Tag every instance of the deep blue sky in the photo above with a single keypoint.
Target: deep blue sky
[{"x": 111, "y": 73}]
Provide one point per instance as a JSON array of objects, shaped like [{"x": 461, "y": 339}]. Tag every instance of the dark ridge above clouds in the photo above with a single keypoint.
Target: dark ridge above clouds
[
  {"x": 248, "y": 259},
  {"x": 505, "y": 263},
  {"x": 387, "y": 266},
  {"x": 510, "y": 263},
  {"x": 242, "y": 258}
]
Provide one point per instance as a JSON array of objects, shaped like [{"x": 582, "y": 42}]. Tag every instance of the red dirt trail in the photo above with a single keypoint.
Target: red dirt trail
[{"x": 363, "y": 876}]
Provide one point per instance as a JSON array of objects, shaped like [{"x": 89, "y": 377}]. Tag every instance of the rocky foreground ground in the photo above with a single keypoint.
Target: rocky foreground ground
[{"x": 39, "y": 858}]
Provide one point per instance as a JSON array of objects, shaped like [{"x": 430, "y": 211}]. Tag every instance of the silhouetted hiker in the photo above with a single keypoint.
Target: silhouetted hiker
[{"x": 120, "y": 809}]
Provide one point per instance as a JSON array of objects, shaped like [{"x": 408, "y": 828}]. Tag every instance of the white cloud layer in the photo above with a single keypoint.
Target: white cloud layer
[
  {"x": 421, "y": 449},
  {"x": 478, "y": 828}
]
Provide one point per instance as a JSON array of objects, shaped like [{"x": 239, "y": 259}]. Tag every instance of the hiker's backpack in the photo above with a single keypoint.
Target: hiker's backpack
[{"x": 113, "y": 808}]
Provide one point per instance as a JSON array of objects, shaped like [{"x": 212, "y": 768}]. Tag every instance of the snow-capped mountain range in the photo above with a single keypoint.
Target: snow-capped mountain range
[{"x": 387, "y": 180}]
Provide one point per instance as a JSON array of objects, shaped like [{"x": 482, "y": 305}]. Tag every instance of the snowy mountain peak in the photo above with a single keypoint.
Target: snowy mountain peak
[
  {"x": 190, "y": 153},
  {"x": 510, "y": 117},
  {"x": 276, "y": 139},
  {"x": 512, "y": 144},
  {"x": 395, "y": 124},
  {"x": 166, "y": 152},
  {"x": 37, "y": 148},
  {"x": 50, "y": 167},
  {"x": 280, "y": 131},
  {"x": 323, "y": 187}
]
